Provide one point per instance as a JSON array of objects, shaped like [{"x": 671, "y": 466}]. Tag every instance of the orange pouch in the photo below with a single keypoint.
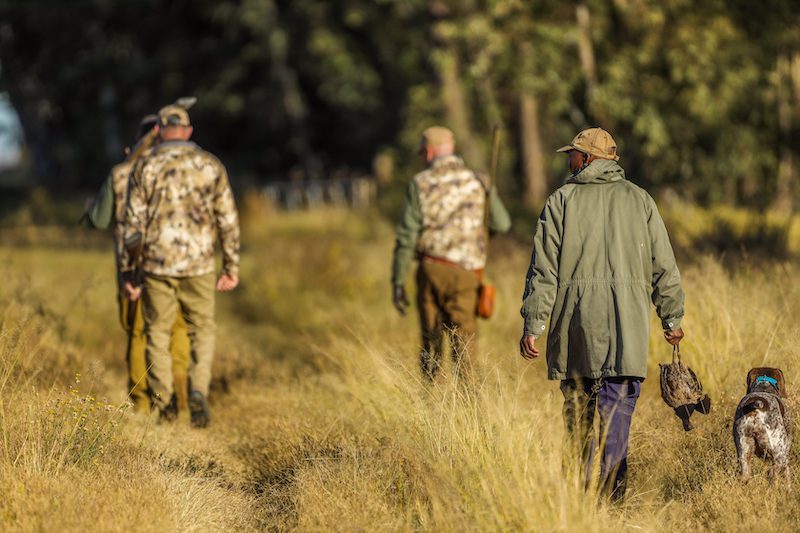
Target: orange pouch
[{"x": 485, "y": 300}]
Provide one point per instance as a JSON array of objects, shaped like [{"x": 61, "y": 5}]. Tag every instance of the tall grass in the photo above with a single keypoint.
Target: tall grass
[{"x": 321, "y": 420}]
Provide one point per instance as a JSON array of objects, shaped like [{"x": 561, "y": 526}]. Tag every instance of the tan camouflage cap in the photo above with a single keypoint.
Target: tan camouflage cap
[
  {"x": 173, "y": 115},
  {"x": 437, "y": 136},
  {"x": 595, "y": 141}
]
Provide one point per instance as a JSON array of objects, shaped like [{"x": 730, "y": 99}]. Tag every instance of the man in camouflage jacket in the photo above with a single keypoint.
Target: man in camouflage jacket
[
  {"x": 442, "y": 223},
  {"x": 109, "y": 207},
  {"x": 179, "y": 202}
]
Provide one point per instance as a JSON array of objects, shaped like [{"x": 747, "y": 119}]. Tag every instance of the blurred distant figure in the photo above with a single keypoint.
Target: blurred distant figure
[
  {"x": 600, "y": 254},
  {"x": 442, "y": 223},
  {"x": 110, "y": 206},
  {"x": 179, "y": 201}
]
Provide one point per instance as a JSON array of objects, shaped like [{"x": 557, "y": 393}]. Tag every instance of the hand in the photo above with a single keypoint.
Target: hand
[
  {"x": 674, "y": 336},
  {"x": 399, "y": 299},
  {"x": 527, "y": 347},
  {"x": 132, "y": 292},
  {"x": 227, "y": 282}
]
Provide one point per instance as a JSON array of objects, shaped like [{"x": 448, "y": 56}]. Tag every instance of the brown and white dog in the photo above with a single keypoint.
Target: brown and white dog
[{"x": 762, "y": 425}]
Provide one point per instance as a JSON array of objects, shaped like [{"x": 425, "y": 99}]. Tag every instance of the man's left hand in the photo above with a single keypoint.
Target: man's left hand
[
  {"x": 399, "y": 299},
  {"x": 527, "y": 347},
  {"x": 674, "y": 337},
  {"x": 227, "y": 282}
]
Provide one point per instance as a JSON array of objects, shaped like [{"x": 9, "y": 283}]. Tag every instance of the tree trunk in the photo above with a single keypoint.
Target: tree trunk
[
  {"x": 456, "y": 110},
  {"x": 444, "y": 58},
  {"x": 293, "y": 100},
  {"x": 533, "y": 168},
  {"x": 787, "y": 171},
  {"x": 586, "y": 52}
]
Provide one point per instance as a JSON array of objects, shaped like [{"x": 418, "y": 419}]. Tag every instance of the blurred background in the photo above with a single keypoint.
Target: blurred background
[{"x": 703, "y": 98}]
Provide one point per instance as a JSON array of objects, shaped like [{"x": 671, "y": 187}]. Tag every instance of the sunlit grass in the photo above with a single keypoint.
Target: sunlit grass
[{"x": 322, "y": 422}]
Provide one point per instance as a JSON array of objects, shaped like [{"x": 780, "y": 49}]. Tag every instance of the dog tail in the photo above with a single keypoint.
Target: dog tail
[{"x": 756, "y": 404}]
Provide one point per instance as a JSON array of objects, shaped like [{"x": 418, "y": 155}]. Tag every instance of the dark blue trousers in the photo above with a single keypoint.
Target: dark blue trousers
[{"x": 614, "y": 399}]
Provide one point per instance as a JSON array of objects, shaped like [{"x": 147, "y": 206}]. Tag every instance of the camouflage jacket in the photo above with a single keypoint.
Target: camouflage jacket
[
  {"x": 179, "y": 200},
  {"x": 444, "y": 217},
  {"x": 109, "y": 205},
  {"x": 120, "y": 178}
]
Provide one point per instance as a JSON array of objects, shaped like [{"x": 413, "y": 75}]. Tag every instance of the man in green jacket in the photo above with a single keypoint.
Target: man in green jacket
[
  {"x": 601, "y": 253},
  {"x": 442, "y": 223},
  {"x": 107, "y": 209}
]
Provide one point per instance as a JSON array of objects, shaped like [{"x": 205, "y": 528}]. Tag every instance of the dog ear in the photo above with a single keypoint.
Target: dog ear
[
  {"x": 751, "y": 376},
  {"x": 781, "y": 382}
]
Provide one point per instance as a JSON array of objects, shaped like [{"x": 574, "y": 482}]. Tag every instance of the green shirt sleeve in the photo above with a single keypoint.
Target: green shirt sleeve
[
  {"x": 667, "y": 294},
  {"x": 499, "y": 219},
  {"x": 407, "y": 232},
  {"x": 541, "y": 282},
  {"x": 102, "y": 211}
]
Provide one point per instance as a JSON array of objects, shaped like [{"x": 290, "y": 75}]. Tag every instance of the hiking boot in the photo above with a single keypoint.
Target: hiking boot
[
  {"x": 198, "y": 406},
  {"x": 170, "y": 412}
]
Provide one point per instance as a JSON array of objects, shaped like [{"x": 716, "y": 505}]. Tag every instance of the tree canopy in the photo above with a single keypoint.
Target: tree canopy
[{"x": 703, "y": 97}]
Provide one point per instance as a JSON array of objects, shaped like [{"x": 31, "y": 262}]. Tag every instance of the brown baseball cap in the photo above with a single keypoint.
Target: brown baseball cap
[
  {"x": 595, "y": 141},
  {"x": 173, "y": 115},
  {"x": 437, "y": 136}
]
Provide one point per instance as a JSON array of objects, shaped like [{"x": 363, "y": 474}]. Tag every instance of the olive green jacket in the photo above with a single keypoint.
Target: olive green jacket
[
  {"x": 601, "y": 253},
  {"x": 102, "y": 211}
]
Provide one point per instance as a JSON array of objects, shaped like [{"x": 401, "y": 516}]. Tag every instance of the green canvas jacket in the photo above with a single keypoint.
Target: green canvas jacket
[
  {"x": 601, "y": 253},
  {"x": 102, "y": 210}
]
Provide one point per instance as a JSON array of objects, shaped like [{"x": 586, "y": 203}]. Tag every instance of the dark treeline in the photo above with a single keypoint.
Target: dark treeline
[{"x": 703, "y": 97}]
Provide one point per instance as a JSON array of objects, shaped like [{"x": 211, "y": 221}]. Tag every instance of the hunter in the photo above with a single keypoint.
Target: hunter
[
  {"x": 601, "y": 253},
  {"x": 180, "y": 201},
  {"x": 443, "y": 225}
]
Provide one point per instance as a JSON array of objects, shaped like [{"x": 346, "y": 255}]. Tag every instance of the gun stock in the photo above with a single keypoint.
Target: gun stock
[{"x": 144, "y": 144}]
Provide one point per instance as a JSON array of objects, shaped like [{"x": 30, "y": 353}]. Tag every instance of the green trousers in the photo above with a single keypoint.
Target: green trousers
[
  {"x": 130, "y": 314},
  {"x": 447, "y": 298},
  {"x": 162, "y": 298}
]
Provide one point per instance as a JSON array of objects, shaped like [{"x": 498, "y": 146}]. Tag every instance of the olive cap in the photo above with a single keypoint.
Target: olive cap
[
  {"x": 594, "y": 141},
  {"x": 437, "y": 136}
]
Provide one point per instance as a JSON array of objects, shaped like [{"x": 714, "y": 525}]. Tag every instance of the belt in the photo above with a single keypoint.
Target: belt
[{"x": 443, "y": 261}]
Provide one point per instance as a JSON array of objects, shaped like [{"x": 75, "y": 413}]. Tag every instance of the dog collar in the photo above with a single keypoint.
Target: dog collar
[{"x": 767, "y": 379}]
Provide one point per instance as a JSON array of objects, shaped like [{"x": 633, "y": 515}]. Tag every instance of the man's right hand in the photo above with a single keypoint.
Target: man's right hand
[
  {"x": 227, "y": 282},
  {"x": 132, "y": 292},
  {"x": 399, "y": 299},
  {"x": 527, "y": 347},
  {"x": 674, "y": 336}
]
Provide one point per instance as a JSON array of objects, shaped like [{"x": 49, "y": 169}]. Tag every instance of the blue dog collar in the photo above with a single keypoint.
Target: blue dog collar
[{"x": 767, "y": 379}]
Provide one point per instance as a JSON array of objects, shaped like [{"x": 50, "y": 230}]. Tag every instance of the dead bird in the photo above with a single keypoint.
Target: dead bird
[
  {"x": 682, "y": 391},
  {"x": 762, "y": 425}
]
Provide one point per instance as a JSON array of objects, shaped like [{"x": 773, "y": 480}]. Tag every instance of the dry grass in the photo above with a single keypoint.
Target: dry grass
[{"x": 321, "y": 421}]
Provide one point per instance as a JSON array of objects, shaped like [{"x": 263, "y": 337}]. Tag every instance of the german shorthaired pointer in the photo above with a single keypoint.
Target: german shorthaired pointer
[{"x": 762, "y": 425}]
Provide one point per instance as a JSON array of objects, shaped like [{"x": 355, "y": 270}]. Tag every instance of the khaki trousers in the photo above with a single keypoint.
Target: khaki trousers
[
  {"x": 447, "y": 298},
  {"x": 162, "y": 298},
  {"x": 130, "y": 314}
]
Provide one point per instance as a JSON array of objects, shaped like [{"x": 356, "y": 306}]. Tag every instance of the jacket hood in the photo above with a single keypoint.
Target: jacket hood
[{"x": 599, "y": 171}]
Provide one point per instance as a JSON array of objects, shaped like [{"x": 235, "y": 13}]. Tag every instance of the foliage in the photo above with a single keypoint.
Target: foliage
[{"x": 702, "y": 97}]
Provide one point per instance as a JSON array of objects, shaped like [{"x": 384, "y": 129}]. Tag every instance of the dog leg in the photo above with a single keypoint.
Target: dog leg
[
  {"x": 744, "y": 447},
  {"x": 781, "y": 468}
]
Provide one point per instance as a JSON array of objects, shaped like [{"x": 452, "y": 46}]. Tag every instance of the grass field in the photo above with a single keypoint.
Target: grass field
[{"x": 321, "y": 421}]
